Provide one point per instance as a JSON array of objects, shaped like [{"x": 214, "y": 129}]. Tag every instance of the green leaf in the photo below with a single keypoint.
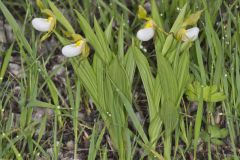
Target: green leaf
[
  {"x": 5, "y": 62},
  {"x": 128, "y": 106},
  {"x": 95, "y": 144},
  {"x": 120, "y": 40},
  {"x": 16, "y": 29},
  {"x": 176, "y": 26},
  {"x": 210, "y": 93},
  {"x": 102, "y": 39},
  {"x": 108, "y": 32},
  {"x": 155, "y": 14},
  {"x": 14, "y": 148},
  {"x": 192, "y": 19},
  {"x": 95, "y": 40},
  {"x": 36, "y": 103},
  {"x": 182, "y": 71},
  {"x": 217, "y": 141},
  {"x": 216, "y": 132},
  {"x": 129, "y": 64},
  {"x": 59, "y": 16},
  {"x": 147, "y": 78}
]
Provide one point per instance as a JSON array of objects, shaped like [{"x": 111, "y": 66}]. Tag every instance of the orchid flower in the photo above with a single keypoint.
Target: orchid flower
[
  {"x": 74, "y": 49},
  {"x": 147, "y": 32},
  {"x": 190, "y": 34},
  {"x": 45, "y": 24},
  {"x": 80, "y": 47},
  {"x": 42, "y": 24}
]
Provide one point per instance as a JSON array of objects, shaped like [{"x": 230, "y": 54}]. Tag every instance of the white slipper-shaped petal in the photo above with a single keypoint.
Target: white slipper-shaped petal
[
  {"x": 191, "y": 34},
  {"x": 41, "y": 24},
  {"x": 145, "y": 34},
  {"x": 72, "y": 50}
]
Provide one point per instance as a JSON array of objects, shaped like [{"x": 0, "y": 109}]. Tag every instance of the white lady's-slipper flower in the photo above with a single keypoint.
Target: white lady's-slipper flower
[
  {"x": 42, "y": 24},
  {"x": 74, "y": 49},
  {"x": 191, "y": 34},
  {"x": 147, "y": 32}
]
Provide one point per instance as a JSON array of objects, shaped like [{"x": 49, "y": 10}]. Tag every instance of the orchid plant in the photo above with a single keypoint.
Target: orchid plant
[
  {"x": 145, "y": 34},
  {"x": 157, "y": 118},
  {"x": 173, "y": 68}
]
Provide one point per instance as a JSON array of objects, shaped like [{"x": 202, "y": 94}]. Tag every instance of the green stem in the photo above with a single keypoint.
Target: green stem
[
  {"x": 167, "y": 147},
  {"x": 198, "y": 123}
]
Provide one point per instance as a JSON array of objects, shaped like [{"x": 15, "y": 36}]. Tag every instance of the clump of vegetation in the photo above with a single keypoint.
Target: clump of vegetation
[{"x": 119, "y": 79}]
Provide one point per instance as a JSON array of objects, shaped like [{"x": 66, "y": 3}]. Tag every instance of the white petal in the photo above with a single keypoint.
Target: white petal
[
  {"x": 72, "y": 50},
  {"x": 191, "y": 34},
  {"x": 145, "y": 34},
  {"x": 41, "y": 24}
]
